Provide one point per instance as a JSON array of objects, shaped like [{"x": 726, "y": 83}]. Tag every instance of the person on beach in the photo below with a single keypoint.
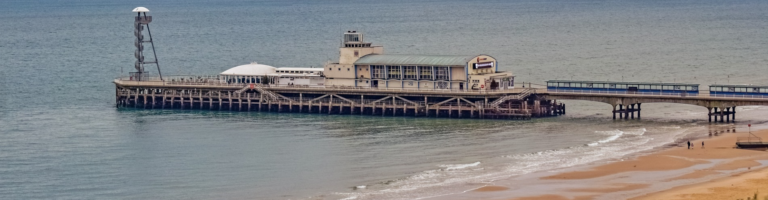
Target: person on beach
[
  {"x": 689, "y": 144},
  {"x": 702, "y": 144}
]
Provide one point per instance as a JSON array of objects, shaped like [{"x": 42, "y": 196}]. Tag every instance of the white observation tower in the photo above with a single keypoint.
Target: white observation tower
[{"x": 139, "y": 24}]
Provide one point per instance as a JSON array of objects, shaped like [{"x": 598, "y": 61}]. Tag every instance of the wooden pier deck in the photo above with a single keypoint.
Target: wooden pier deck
[{"x": 498, "y": 104}]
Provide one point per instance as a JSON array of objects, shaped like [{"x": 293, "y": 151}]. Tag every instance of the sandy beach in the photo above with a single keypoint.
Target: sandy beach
[{"x": 716, "y": 170}]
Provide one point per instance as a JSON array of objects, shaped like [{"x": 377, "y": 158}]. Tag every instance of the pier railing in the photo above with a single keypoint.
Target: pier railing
[
  {"x": 702, "y": 93},
  {"x": 682, "y": 94},
  {"x": 216, "y": 81},
  {"x": 190, "y": 80}
]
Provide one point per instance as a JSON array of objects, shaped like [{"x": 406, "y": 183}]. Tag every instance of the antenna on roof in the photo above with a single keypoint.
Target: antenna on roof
[{"x": 139, "y": 23}]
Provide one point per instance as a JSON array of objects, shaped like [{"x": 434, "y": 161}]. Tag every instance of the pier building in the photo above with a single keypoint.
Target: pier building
[
  {"x": 265, "y": 74},
  {"x": 738, "y": 90},
  {"x": 362, "y": 65}
]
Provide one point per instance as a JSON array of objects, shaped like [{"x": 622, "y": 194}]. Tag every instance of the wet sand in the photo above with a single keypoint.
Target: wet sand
[
  {"x": 491, "y": 188},
  {"x": 695, "y": 175},
  {"x": 716, "y": 171},
  {"x": 737, "y": 186}
]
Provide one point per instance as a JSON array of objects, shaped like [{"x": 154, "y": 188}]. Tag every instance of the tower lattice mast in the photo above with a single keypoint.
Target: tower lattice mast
[{"x": 141, "y": 62}]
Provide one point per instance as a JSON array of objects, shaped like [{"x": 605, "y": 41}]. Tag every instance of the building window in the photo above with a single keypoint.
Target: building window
[
  {"x": 441, "y": 73},
  {"x": 347, "y": 69},
  {"x": 409, "y": 72},
  {"x": 339, "y": 68},
  {"x": 377, "y": 71},
  {"x": 394, "y": 72},
  {"x": 357, "y": 54},
  {"x": 353, "y": 38},
  {"x": 426, "y": 72}
]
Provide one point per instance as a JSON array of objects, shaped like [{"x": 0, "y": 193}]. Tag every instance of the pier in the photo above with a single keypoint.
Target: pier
[
  {"x": 365, "y": 81},
  {"x": 721, "y": 108},
  {"x": 521, "y": 103}
]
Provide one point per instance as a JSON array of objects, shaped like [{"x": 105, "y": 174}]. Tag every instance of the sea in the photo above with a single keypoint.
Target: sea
[{"x": 61, "y": 136}]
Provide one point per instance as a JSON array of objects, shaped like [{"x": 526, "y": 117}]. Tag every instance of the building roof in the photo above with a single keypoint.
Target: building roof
[
  {"x": 253, "y": 69},
  {"x": 627, "y": 83},
  {"x": 422, "y": 60},
  {"x": 301, "y": 69},
  {"x": 739, "y": 86}
]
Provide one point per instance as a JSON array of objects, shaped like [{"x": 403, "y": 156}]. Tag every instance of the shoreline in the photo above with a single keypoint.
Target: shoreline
[{"x": 673, "y": 172}]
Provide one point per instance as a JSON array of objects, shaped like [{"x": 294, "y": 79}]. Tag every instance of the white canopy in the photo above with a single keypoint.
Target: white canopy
[
  {"x": 253, "y": 69},
  {"x": 140, "y": 9}
]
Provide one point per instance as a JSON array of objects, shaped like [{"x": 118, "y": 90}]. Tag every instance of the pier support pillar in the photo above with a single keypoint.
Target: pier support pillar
[
  {"x": 458, "y": 104},
  {"x": 472, "y": 112},
  {"x": 638, "y": 110},
  {"x": 733, "y": 114},
  {"x": 136, "y": 99},
  {"x": 426, "y": 106},
  {"x": 362, "y": 104},
  {"x": 721, "y": 115},
  {"x": 383, "y": 109},
  {"x": 191, "y": 101},
  {"x": 621, "y": 109},
  {"x": 632, "y": 111},
  {"x": 394, "y": 108},
  {"x": 728, "y": 115},
  {"x": 164, "y": 98},
  {"x": 330, "y": 104},
  {"x": 261, "y": 100},
  {"x": 709, "y": 114}
]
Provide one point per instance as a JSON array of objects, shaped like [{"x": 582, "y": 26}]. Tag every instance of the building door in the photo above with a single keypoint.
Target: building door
[
  {"x": 494, "y": 85},
  {"x": 375, "y": 83},
  {"x": 632, "y": 90},
  {"x": 461, "y": 86}
]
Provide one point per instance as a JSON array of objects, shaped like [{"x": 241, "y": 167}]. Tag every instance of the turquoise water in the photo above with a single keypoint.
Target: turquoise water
[{"x": 62, "y": 138}]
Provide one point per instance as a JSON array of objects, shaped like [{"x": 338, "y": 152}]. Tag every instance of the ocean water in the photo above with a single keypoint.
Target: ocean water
[{"x": 61, "y": 136}]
